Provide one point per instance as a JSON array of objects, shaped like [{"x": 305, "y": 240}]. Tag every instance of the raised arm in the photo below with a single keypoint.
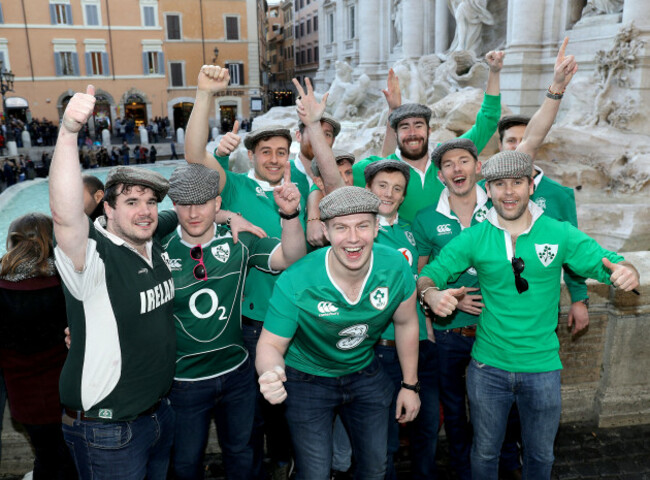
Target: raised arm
[
  {"x": 541, "y": 122},
  {"x": 494, "y": 60},
  {"x": 394, "y": 99},
  {"x": 287, "y": 198},
  {"x": 211, "y": 80},
  {"x": 66, "y": 186},
  {"x": 310, "y": 112}
]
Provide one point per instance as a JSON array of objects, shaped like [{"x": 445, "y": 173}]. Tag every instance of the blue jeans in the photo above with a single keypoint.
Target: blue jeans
[
  {"x": 230, "y": 400},
  {"x": 125, "y": 450},
  {"x": 341, "y": 448},
  {"x": 361, "y": 399},
  {"x": 491, "y": 393},
  {"x": 423, "y": 431}
]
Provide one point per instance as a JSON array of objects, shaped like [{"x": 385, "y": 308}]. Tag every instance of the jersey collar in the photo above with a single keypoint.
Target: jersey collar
[
  {"x": 266, "y": 186},
  {"x": 301, "y": 168},
  {"x": 420, "y": 173},
  {"x": 533, "y": 208},
  {"x": 100, "y": 226},
  {"x": 538, "y": 177},
  {"x": 384, "y": 223},
  {"x": 444, "y": 208}
]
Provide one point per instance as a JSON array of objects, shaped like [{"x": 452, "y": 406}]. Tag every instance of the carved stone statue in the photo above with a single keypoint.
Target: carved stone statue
[
  {"x": 602, "y": 7},
  {"x": 341, "y": 83},
  {"x": 470, "y": 16},
  {"x": 352, "y": 98},
  {"x": 397, "y": 18}
]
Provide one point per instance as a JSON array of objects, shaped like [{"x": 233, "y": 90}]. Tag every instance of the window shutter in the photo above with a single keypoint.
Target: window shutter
[
  {"x": 161, "y": 63},
  {"x": 52, "y": 14},
  {"x": 89, "y": 65},
  {"x": 75, "y": 63},
  {"x": 105, "y": 63},
  {"x": 2, "y": 18},
  {"x": 145, "y": 63},
  {"x": 240, "y": 68},
  {"x": 57, "y": 64},
  {"x": 68, "y": 14}
]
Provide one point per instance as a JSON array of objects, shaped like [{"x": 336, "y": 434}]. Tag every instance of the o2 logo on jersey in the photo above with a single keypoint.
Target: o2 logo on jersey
[
  {"x": 214, "y": 305},
  {"x": 354, "y": 335},
  {"x": 379, "y": 298},
  {"x": 407, "y": 254}
]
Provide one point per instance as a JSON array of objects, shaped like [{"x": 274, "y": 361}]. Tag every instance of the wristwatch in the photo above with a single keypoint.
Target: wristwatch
[
  {"x": 285, "y": 216},
  {"x": 585, "y": 301},
  {"x": 415, "y": 388}
]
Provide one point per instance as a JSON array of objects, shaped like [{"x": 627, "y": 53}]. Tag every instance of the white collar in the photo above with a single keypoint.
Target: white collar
[
  {"x": 444, "y": 207},
  {"x": 538, "y": 177},
  {"x": 119, "y": 241},
  {"x": 383, "y": 222},
  {"x": 266, "y": 186},
  {"x": 534, "y": 210}
]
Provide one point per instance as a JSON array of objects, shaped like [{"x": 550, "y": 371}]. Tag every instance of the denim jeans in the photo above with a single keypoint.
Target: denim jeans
[
  {"x": 341, "y": 448},
  {"x": 269, "y": 419},
  {"x": 423, "y": 431},
  {"x": 230, "y": 400},
  {"x": 491, "y": 393},
  {"x": 361, "y": 399},
  {"x": 129, "y": 450}
]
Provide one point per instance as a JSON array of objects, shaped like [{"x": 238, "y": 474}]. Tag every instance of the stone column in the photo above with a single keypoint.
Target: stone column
[
  {"x": 412, "y": 28},
  {"x": 637, "y": 11},
  {"x": 442, "y": 26},
  {"x": 525, "y": 21},
  {"x": 369, "y": 44}
]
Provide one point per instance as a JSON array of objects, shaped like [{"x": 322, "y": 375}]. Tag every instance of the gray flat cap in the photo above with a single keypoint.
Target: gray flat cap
[
  {"x": 336, "y": 126},
  {"x": 339, "y": 155},
  {"x": 508, "y": 164},
  {"x": 463, "y": 143},
  {"x": 193, "y": 184},
  {"x": 409, "y": 110},
  {"x": 387, "y": 164},
  {"x": 138, "y": 176},
  {"x": 263, "y": 133},
  {"x": 511, "y": 121},
  {"x": 348, "y": 201}
]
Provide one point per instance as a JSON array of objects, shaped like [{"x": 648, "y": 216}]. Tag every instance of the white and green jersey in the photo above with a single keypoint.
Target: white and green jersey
[
  {"x": 207, "y": 313},
  {"x": 253, "y": 198},
  {"x": 434, "y": 227},
  {"x": 332, "y": 334},
  {"x": 399, "y": 236},
  {"x": 516, "y": 332},
  {"x": 121, "y": 360}
]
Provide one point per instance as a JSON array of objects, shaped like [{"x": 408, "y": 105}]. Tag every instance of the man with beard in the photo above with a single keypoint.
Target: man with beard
[{"x": 518, "y": 254}]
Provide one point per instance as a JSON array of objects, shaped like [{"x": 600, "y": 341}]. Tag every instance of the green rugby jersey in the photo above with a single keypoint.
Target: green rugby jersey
[
  {"x": 434, "y": 227},
  {"x": 424, "y": 188},
  {"x": 207, "y": 313},
  {"x": 332, "y": 335},
  {"x": 400, "y": 237},
  {"x": 253, "y": 198},
  {"x": 516, "y": 332},
  {"x": 121, "y": 360}
]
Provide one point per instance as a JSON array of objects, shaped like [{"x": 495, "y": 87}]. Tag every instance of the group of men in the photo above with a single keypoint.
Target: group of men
[{"x": 171, "y": 313}]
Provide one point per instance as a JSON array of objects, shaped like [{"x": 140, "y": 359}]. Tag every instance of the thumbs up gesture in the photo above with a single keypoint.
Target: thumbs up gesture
[
  {"x": 444, "y": 302},
  {"x": 79, "y": 110},
  {"x": 229, "y": 142},
  {"x": 624, "y": 275}
]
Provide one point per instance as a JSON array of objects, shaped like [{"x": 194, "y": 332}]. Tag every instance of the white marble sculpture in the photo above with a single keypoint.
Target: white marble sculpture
[
  {"x": 397, "y": 18},
  {"x": 602, "y": 7},
  {"x": 470, "y": 17}
]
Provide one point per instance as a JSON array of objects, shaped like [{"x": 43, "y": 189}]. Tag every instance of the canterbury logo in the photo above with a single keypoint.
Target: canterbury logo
[
  {"x": 327, "y": 308},
  {"x": 443, "y": 229}
]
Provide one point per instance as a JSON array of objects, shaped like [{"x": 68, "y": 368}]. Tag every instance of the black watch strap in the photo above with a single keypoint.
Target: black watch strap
[
  {"x": 284, "y": 216},
  {"x": 415, "y": 388}
]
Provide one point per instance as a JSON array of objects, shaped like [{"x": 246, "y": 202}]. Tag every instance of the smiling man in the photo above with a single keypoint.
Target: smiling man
[{"x": 327, "y": 312}]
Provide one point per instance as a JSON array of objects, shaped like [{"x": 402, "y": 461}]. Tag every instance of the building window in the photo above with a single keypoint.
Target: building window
[
  {"x": 236, "y": 71},
  {"x": 315, "y": 22},
  {"x": 315, "y": 54},
  {"x": 297, "y": 31},
  {"x": 149, "y": 13},
  {"x": 173, "y": 24},
  {"x": 60, "y": 13},
  {"x": 2, "y": 17},
  {"x": 91, "y": 13},
  {"x": 232, "y": 28},
  {"x": 296, "y": 6},
  {"x": 176, "y": 74},
  {"x": 302, "y": 57},
  {"x": 153, "y": 62},
  {"x": 309, "y": 55},
  {"x": 351, "y": 22},
  {"x": 97, "y": 63},
  {"x": 4, "y": 56},
  {"x": 66, "y": 64},
  {"x": 308, "y": 26},
  {"x": 302, "y": 3},
  {"x": 330, "y": 28}
]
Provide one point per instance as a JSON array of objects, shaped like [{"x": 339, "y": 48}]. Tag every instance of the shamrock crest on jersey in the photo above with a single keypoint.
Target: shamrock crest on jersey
[
  {"x": 546, "y": 253},
  {"x": 354, "y": 335},
  {"x": 410, "y": 237},
  {"x": 221, "y": 252},
  {"x": 541, "y": 202},
  {"x": 379, "y": 298}
]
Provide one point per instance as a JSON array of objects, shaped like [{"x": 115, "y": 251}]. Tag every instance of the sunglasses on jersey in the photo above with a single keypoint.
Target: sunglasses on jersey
[
  {"x": 518, "y": 267},
  {"x": 200, "y": 272}
]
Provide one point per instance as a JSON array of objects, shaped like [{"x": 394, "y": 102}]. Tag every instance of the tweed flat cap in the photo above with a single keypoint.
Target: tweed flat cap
[
  {"x": 138, "y": 176},
  {"x": 193, "y": 184},
  {"x": 336, "y": 126},
  {"x": 463, "y": 143},
  {"x": 348, "y": 201},
  {"x": 386, "y": 164},
  {"x": 339, "y": 155},
  {"x": 263, "y": 133},
  {"x": 409, "y": 110},
  {"x": 511, "y": 121},
  {"x": 508, "y": 164}
]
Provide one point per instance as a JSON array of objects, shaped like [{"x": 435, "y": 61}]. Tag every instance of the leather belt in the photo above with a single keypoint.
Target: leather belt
[
  {"x": 251, "y": 323},
  {"x": 386, "y": 343},
  {"x": 469, "y": 331},
  {"x": 78, "y": 414}
]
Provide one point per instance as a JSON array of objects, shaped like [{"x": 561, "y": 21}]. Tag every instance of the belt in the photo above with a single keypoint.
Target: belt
[
  {"x": 81, "y": 416},
  {"x": 251, "y": 323},
  {"x": 386, "y": 343},
  {"x": 469, "y": 331}
]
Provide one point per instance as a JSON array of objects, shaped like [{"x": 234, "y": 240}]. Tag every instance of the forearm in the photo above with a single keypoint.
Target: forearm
[
  {"x": 389, "y": 144},
  {"x": 493, "y": 83},
  {"x": 198, "y": 129},
  {"x": 329, "y": 172},
  {"x": 66, "y": 187},
  {"x": 539, "y": 126},
  {"x": 267, "y": 357},
  {"x": 294, "y": 246}
]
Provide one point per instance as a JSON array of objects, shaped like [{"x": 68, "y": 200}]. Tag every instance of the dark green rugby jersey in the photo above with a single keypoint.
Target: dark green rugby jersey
[{"x": 121, "y": 360}]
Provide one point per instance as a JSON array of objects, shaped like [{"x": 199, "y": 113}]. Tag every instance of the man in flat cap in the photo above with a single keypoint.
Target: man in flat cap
[
  {"x": 215, "y": 376},
  {"x": 344, "y": 161},
  {"x": 251, "y": 195},
  {"x": 518, "y": 254},
  {"x": 119, "y": 295},
  {"x": 316, "y": 349}
]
